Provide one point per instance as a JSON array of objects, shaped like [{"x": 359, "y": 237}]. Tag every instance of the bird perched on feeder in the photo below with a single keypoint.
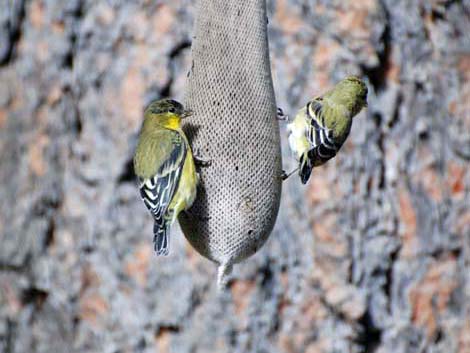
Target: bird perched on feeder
[
  {"x": 164, "y": 165},
  {"x": 320, "y": 128}
]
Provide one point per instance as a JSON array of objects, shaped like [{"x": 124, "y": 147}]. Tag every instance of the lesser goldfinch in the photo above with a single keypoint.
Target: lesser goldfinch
[
  {"x": 320, "y": 128},
  {"x": 164, "y": 164}
]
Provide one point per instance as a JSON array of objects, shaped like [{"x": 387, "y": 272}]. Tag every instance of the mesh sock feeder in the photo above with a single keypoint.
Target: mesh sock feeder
[{"x": 234, "y": 126}]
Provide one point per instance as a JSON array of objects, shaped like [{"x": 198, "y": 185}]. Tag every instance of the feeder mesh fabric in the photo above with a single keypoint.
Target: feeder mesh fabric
[{"x": 234, "y": 125}]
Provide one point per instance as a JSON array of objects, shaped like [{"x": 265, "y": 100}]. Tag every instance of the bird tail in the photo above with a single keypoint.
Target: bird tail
[
  {"x": 305, "y": 168},
  {"x": 161, "y": 240}
]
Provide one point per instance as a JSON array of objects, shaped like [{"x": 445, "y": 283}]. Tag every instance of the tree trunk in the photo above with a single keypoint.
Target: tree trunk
[{"x": 373, "y": 255}]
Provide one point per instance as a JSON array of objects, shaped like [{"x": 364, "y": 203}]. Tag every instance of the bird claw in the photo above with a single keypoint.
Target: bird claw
[
  {"x": 200, "y": 161},
  {"x": 281, "y": 116},
  {"x": 285, "y": 176}
]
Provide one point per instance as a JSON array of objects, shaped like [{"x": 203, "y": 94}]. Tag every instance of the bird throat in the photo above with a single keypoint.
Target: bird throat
[
  {"x": 167, "y": 121},
  {"x": 172, "y": 122}
]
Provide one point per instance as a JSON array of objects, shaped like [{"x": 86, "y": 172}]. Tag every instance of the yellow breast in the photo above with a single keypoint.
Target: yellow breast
[{"x": 298, "y": 141}]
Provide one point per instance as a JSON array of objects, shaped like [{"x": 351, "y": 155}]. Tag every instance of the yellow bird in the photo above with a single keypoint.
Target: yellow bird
[
  {"x": 164, "y": 164},
  {"x": 322, "y": 126}
]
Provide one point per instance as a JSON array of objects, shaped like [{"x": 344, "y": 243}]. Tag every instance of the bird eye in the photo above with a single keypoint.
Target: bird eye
[{"x": 171, "y": 110}]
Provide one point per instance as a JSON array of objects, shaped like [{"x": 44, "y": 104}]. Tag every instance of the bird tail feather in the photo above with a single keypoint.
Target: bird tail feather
[
  {"x": 161, "y": 239},
  {"x": 305, "y": 168}
]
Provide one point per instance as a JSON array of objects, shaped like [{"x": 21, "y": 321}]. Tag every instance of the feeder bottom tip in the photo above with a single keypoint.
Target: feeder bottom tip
[{"x": 223, "y": 271}]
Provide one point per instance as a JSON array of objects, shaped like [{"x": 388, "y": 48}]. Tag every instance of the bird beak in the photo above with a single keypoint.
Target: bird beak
[{"x": 186, "y": 113}]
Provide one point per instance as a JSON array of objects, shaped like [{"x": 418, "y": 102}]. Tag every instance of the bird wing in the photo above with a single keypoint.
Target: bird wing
[
  {"x": 158, "y": 190},
  {"x": 320, "y": 137}
]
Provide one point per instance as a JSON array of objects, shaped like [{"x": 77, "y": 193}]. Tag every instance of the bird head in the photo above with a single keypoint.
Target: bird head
[
  {"x": 352, "y": 92},
  {"x": 166, "y": 112}
]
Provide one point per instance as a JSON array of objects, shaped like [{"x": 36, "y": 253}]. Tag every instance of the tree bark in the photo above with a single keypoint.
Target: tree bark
[{"x": 373, "y": 255}]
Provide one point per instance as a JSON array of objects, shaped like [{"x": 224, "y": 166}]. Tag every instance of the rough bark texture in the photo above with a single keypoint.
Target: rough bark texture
[{"x": 372, "y": 256}]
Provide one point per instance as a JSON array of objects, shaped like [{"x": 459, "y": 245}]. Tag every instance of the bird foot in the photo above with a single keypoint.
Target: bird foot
[
  {"x": 281, "y": 116},
  {"x": 285, "y": 176},
  {"x": 200, "y": 161}
]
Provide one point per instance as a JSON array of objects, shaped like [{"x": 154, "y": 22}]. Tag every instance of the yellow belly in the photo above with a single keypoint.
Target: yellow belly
[
  {"x": 298, "y": 141},
  {"x": 186, "y": 191}
]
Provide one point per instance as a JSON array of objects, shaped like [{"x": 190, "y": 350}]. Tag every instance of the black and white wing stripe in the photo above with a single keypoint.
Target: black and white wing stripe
[
  {"x": 157, "y": 193},
  {"x": 323, "y": 147}
]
